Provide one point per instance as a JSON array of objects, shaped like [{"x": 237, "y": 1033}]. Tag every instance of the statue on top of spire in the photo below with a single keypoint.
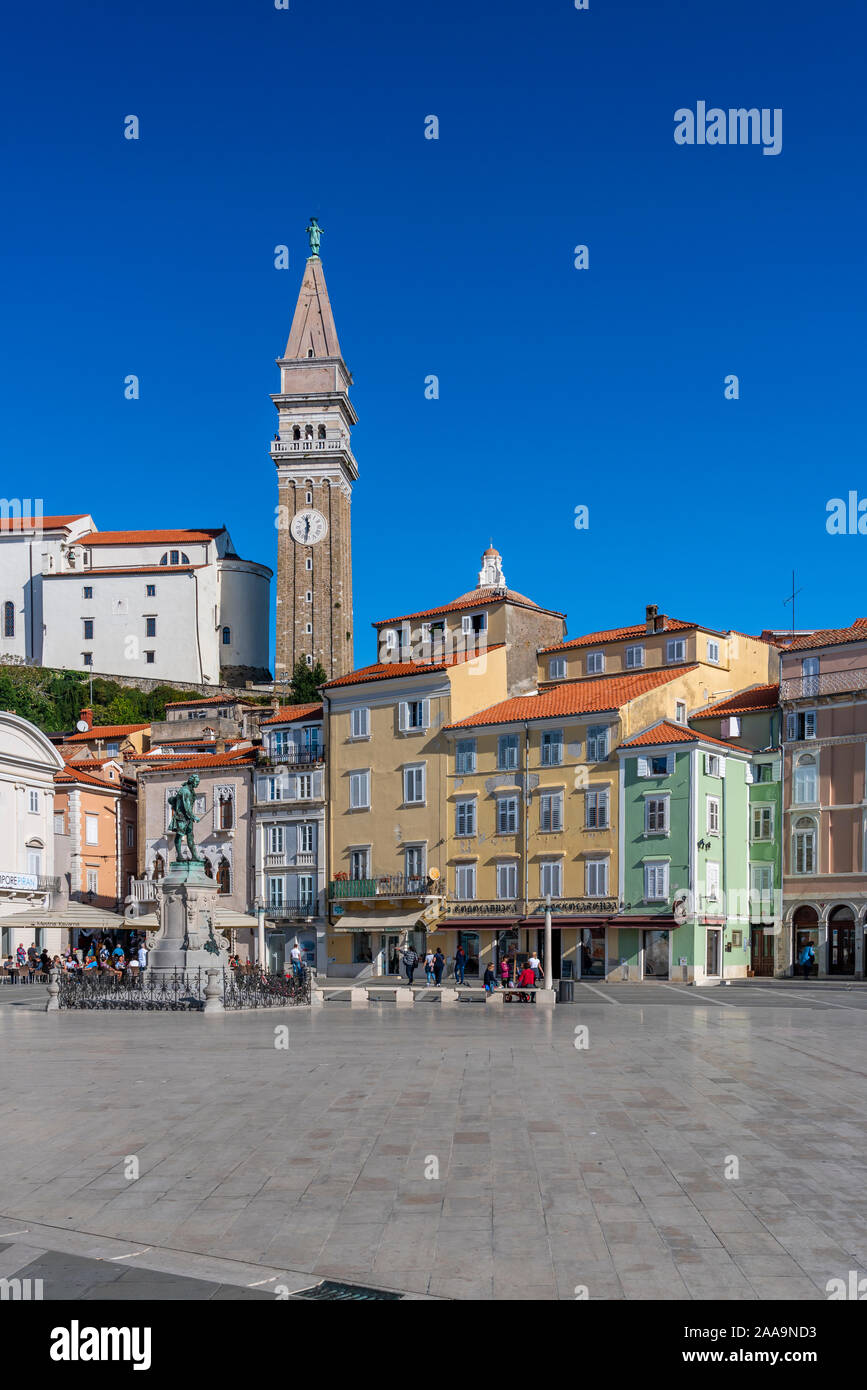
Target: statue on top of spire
[{"x": 314, "y": 234}]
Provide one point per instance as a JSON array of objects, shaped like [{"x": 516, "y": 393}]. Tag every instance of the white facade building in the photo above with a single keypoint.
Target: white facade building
[
  {"x": 177, "y": 605},
  {"x": 28, "y": 764},
  {"x": 289, "y": 835}
]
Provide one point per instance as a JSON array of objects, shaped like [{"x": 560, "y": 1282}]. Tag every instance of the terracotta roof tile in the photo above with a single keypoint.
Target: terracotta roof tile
[
  {"x": 757, "y": 697},
  {"x": 149, "y": 537},
  {"x": 210, "y": 700},
  {"x": 476, "y": 598},
  {"x": 574, "y": 697},
  {"x": 832, "y": 637},
  {"x": 48, "y": 523},
  {"x": 104, "y": 731},
  {"x": 668, "y": 732},
  {"x": 388, "y": 670},
  {"x": 286, "y": 714},
  {"x": 242, "y": 758},
  {"x": 72, "y": 773},
  {"x": 123, "y": 569},
  {"x": 622, "y": 634}
]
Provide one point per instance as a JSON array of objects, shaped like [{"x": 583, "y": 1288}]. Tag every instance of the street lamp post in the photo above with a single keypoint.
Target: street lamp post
[
  {"x": 260, "y": 934},
  {"x": 549, "y": 977}
]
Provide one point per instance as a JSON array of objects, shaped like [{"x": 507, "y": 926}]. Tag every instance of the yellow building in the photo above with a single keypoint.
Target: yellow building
[
  {"x": 727, "y": 662},
  {"x": 533, "y": 787},
  {"x": 387, "y": 770}
]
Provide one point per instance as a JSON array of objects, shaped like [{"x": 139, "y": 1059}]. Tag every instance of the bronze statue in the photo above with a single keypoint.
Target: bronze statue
[
  {"x": 314, "y": 234},
  {"x": 183, "y": 805}
]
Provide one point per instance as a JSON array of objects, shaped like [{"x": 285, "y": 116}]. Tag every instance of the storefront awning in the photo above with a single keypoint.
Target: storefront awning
[
  {"x": 74, "y": 915},
  {"x": 378, "y": 921}
]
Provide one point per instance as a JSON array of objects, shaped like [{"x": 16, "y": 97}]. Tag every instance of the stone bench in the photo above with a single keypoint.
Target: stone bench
[{"x": 404, "y": 995}]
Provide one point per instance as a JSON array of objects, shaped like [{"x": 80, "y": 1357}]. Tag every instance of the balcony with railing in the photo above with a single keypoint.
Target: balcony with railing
[
  {"x": 292, "y": 912},
  {"x": 827, "y": 683},
  {"x": 386, "y": 886},
  {"x": 293, "y": 756},
  {"x": 307, "y": 446}
]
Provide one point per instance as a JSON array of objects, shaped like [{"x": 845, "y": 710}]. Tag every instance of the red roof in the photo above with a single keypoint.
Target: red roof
[
  {"x": 758, "y": 697},
  {"x": 105, "y": 731},
  {"x": 149, "y": 537},
  {"x": 477, "y": 598},
  {"x": 209, "y": 700},
  {"x": 832, "y": 637},
  {"x": 668, "y": 732},
  {"x": 286, "y": 714},
  {"x": 623, "y": 634},
  {"x": 73, "y": 773},
  {"x": 385, "y": 670},
  {"x": 47, "y": 523},
  {"x": 244, "y": 757},
  {"x": 575, "y": 697}
]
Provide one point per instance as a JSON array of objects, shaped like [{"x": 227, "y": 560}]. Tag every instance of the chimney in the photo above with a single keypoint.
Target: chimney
[
  {"x": 650, "y": 613},
  {"x": 87, "y": 717},
  {"x": 220, "y": 745}
]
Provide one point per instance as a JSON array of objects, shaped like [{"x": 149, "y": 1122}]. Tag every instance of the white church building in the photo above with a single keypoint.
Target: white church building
[{"x": 175, "y": 604}]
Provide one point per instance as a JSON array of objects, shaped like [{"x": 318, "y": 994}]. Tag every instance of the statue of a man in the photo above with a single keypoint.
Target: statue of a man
[
  {"x": 183, "y": 804},
  {"x": 314, "y": 233}
]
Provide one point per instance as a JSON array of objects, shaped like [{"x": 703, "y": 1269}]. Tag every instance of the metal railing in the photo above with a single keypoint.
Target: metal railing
[
  {"x": 297, "y": 757},
  {"x": 386, "y": 886},
  {"x": 291, "y": 912},
  {"x": 828, "y": 683},
  {"x": 179, "y": 991}
]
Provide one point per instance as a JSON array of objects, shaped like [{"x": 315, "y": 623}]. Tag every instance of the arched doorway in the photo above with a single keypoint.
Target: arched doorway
[
  {"x": 841, "y": 942},
  {"x": 805, "y": 931}
]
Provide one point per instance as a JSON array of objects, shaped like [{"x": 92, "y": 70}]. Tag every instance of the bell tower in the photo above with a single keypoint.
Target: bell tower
[{"x": 312, "y": 451}]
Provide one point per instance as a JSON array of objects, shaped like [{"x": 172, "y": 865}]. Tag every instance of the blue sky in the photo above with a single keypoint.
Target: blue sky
[{"x": 454, "y": 257}]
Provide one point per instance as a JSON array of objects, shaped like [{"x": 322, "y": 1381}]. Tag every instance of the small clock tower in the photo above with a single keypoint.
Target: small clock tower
[{"x": 312, "y": 450}]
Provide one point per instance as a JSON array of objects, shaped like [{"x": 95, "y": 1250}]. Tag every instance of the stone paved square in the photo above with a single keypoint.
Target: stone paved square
[{"x": 441, "y": 1152}]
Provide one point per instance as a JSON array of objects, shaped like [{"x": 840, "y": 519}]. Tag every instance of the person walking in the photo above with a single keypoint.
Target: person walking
[
  {"x": 807, "y": 959},
  {"x": 410, "y": 963},
  {"x": 460, "y": 965},
  {"x": 297, "y": 958},
  {"x": 439, "y": 965},
  {"x": 429, "y": 966}
]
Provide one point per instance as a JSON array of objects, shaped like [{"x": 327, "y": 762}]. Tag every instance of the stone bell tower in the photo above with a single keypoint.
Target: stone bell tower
[{"x": 312, "y": 451}]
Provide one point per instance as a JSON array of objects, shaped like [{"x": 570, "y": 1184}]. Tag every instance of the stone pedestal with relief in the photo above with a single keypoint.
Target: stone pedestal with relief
[{"x": 187, "y": 939}]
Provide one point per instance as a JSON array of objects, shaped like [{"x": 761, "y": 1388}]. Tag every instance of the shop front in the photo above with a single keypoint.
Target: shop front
[{"x": 368, "y": 944}]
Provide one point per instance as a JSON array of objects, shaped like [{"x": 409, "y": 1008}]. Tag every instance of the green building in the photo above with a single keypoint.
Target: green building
[
  {"x": 752, "y": 720},
  {"x": 684, "y": 856}
]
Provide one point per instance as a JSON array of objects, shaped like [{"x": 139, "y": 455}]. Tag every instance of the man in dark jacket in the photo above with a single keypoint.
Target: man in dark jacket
[
  {"x": 460, "y": 965},
  {"x": 439, "y": 966},
  {"x": 410, "y": 961}
]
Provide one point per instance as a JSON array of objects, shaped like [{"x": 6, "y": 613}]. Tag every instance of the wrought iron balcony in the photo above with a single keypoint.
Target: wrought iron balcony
[
  {"x": 292, "y": 912},
  {"x": 297, "y": 757},
  {"x": 827, "y": 683},
  {"x": 387, "y": 886}
]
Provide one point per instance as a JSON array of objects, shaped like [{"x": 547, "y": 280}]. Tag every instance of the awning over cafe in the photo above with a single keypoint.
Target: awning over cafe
[
  {"x": 74, "y": 915},
  {"x": 378, "y": 921}
]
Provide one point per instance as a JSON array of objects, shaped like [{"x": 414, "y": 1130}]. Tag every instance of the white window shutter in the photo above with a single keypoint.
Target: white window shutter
[
  {"x": 403, "y": 716},
  {"x": 791, "y": 727},
  {"x": 425, "y": 714},
  {"x": 777, "y": 770},
  {"x": 466, "y": 623},
  {"x": 706, "y": 764},
  {"x": 669, "y": 764},
  {"x": 748, "y": 773},
  {"x": 722, "y": 767},
  {"x": 643, "y": 767}
]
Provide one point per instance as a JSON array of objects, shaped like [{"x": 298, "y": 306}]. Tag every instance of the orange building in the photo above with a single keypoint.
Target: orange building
[{"x": 95, "y": 812}]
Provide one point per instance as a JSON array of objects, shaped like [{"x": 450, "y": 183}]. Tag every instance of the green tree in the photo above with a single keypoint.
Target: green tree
[{"x": 304, "y": 686}]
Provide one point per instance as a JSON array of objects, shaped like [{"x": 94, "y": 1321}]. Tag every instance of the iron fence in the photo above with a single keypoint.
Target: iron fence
[
  {"x": 261, "y": 991},
  {"x": 178, "y": 990}
]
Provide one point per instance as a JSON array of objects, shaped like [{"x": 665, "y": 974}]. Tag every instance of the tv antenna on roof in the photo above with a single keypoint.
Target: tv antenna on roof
[{"x": 791, "y": 600}]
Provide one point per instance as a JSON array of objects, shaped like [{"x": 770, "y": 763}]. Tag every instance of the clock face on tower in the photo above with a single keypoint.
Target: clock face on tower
[{"x": 308, "y": 527}]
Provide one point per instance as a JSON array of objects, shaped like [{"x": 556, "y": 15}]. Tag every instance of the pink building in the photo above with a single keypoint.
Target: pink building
[{"x": 823, "y": 694}]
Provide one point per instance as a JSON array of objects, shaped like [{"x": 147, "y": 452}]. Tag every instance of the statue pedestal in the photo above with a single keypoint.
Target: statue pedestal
[{"x": 187, "y": 939}]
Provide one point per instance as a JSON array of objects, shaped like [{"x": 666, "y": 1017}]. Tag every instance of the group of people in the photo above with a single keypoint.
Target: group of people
[
  {"x": 507, "y": 974},
  {"x": 107, "y": 956}
]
